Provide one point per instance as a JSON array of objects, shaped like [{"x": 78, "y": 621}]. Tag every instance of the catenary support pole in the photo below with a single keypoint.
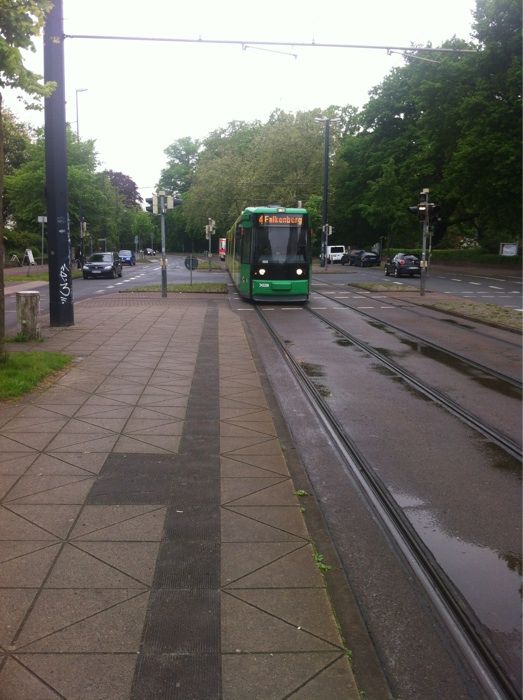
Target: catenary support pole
[{"x": 61, "y": 309}]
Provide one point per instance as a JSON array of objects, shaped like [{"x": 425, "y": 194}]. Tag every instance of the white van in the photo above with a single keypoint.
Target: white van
[{"x": 334, "y": 253}]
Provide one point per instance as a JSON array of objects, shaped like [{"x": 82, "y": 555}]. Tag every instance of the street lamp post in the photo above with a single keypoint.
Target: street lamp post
[
  {"x": 77, "y": 122},
  {"x": 325, "y": 205}
]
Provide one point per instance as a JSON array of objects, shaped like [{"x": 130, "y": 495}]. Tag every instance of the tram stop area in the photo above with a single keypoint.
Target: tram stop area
[{"x": 159, "y": 538}]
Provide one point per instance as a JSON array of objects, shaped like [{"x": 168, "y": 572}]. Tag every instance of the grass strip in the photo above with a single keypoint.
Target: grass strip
[
  {"x": 23, "y": 371},
  {"x": 486, "y": 313},
  {"x": 196, "y": 288}
]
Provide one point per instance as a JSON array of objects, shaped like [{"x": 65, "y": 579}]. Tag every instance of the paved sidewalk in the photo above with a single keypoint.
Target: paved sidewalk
[{"x": 151, "y": 541}]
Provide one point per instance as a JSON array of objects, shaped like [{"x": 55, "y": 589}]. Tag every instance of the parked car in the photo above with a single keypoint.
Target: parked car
[
  {"x": 102, "y": 265},
  {"x": 334, "y": 253},
  {"x": 127, "y": 257},
  {"x": 149, "y": 251},
  {"x": 403, "y": 264},
  {"x": 361, "y": 258}
]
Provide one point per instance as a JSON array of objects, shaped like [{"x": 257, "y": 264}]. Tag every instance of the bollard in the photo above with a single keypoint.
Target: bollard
[{"x": 28, "y": 314}]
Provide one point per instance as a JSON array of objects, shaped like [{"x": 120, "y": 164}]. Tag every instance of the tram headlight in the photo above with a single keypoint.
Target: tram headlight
[
  {"x": 299, "y": 271},
  {"x": 261, "y": 271}
]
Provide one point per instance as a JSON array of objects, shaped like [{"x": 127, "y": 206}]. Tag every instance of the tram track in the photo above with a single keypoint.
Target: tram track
[
  {"x": 505, "y": 442},
  {"x": 490, "y": 371},
  {"x": 454, "y": 611}
]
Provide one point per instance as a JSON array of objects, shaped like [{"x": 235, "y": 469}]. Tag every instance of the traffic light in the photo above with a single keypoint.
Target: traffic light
[{"x": 152, "y": 203}]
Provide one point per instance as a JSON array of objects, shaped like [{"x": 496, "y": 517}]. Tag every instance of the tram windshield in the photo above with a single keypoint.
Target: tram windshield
[{"x": 280, "y": 244}]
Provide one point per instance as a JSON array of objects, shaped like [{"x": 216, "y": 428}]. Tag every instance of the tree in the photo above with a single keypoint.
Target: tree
[
  {"x": 20, "y": 22},
  {"x": 126, "y": 188},
  {"x": 182, "y": 157}
]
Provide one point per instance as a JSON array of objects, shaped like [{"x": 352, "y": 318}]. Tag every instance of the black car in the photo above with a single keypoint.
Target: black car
[
  {"x": 403, "y": 265},
  {"x": 102, "y": 265},
  {"x": 360, "y": 258},
  {"x": 127, "y": 257}
]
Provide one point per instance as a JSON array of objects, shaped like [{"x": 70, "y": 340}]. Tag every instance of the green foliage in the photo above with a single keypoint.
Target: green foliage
[
  {"x": 452, "y": 126},
  {"x": 20, "y": 22}
]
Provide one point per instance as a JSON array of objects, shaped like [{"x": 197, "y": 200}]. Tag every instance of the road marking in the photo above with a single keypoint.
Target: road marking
[
  {"x": 476, "y": 283},
  {"x": 491, "y": 286},
  {"x": 319, "y": 308},
  {"x": 365, "y": 307},
  {"x": 387, "y": 307},
  {"x": 454, "y": 279},
  {"x": 100, "y": 291}
]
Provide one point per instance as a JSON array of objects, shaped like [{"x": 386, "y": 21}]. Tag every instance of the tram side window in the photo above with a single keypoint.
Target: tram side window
[
  {"x": 238, "y": 246},
  {"x": 246, "y": 245}
]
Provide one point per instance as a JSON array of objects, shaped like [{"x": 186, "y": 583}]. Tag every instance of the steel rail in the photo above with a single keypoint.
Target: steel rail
[
  {"x": 454, "y": 611},
  {"x": 456, "y": 356}
]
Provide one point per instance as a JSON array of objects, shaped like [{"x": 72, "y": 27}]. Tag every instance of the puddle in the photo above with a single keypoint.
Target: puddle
[
  {"x": 312, "y": 370},
  {"x": 478, "y": 572}
]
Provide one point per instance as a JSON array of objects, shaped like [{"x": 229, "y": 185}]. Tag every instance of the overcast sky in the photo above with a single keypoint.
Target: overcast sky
[{"x": 141, "y": 96}]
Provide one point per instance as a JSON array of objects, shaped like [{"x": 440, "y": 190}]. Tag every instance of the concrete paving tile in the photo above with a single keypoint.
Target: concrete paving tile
[
  {"x": 6, "y": 482},
  {"x": 81, "y": 427},
  {"x": 141, "y": 443},
  {"x": 252, "y": 397},
  {"x": 31, "y": 440},
  {"x": 10, "y": 549},
  {"x": 37, "y": 425},
  {"x": 82, "y": 676},
  {"x": 19, "y": 683},
  {"x": 38, "y": 415},
  {"x": 79, "y": 443},
  {"x": 337, "y": 677},
  {"x": 273, "y": 463},
  {"x": 13, "y": 527},
  {"x": 115, "y": 523},
  {"x": 75, "y": 568},
  {"x": 28, "y": 570},
  {"x": 136, "y": 559},
  {"x": 255, "y": 442},
  {"x": 229, "y": 408},
  {"x": 278, "y": 494},
  {"x": 235, "y": 527},
  {"x": 308, "y": 609},
  {"x": 10, "y": 445},
  {"x": 47, "y": 465},
  {"x": 93, "y": 410},
  {"x": 60, "y": 409},
  {"x": 114, "y": 425},
  {"x": 90, "y": 462},
  {"x": 159, "y": 413},
  {"x": 61, "y": 396},
  {"x": 146, "y": 426},
  {"x": 37, "y": 483},
  {"x": 293, "y": 570},
  {"x": 14, "y": 604},
  {"x": 71, "y": 494},
  {"x": 118, "y": 629},
  {"x": 287, "y": 519},
  {"x": 156, "y": 404},
  {"x": 56, "y": 519},
  {"x": 233, "y": 489},
  {"x": 57, "y": 610},
  {"x": 238, "y": 468},
  {"x": 238, "y": 559},
  {"x": 248, "y": 629},
  {"x": 16, "y": 462},
  {"x": 265, "y": 425},
  {"x": 266, "y": 448},
  {"x": 273, "y": 676},
  {"x": 9, "y": 411}
]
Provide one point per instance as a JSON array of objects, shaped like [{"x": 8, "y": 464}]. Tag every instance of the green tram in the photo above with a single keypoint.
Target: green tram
[{"x": 268, "y": 254}]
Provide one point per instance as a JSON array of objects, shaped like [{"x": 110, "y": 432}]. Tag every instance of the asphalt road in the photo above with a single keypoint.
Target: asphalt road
[
  {"x": 147, "y": 273},
  {"x": 503, "y": 288}
]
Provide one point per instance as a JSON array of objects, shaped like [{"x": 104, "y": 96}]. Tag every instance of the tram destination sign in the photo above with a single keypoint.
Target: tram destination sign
[{"x": 280, "y": 219}]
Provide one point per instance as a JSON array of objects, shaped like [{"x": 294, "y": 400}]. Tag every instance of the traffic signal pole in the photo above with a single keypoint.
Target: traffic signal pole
[
  {"x": 162, "y": 206},
  {"x": 426, "y": 223}
]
